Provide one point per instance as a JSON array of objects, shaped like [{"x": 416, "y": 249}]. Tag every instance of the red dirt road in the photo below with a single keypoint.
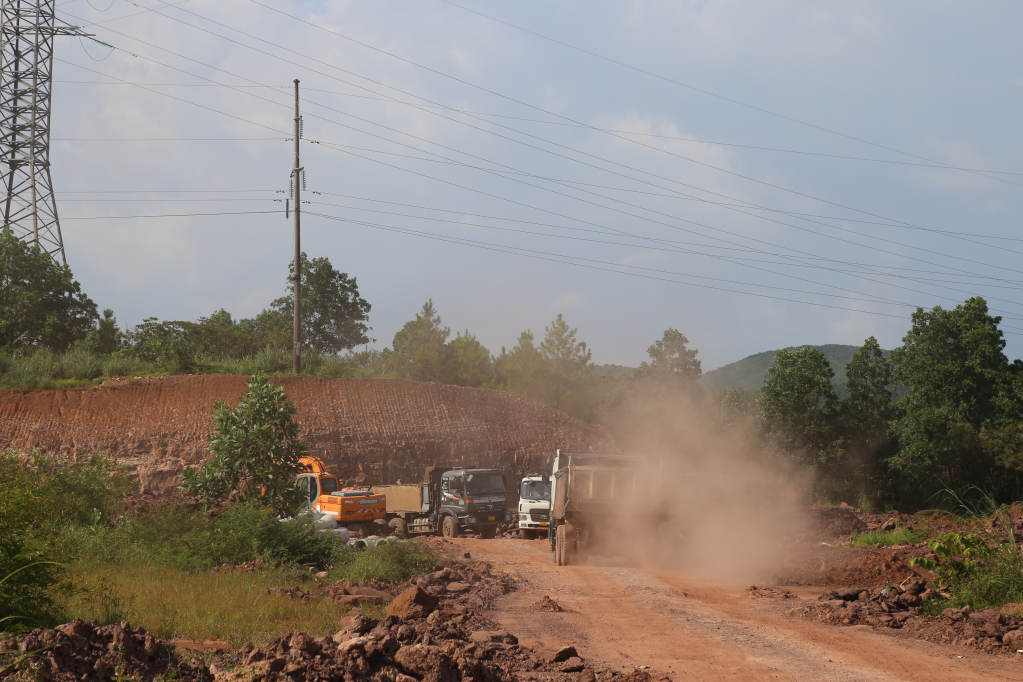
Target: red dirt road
[{"x": 694, "y": 630}]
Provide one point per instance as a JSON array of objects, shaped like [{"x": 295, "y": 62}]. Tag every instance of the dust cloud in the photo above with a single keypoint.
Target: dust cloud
[{"x": 710, "y": 502}]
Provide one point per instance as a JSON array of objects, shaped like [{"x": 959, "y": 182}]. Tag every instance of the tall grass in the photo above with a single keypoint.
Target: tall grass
[
  {"x": 886, "y": 538},
  {"x": 172, "y": 602}
]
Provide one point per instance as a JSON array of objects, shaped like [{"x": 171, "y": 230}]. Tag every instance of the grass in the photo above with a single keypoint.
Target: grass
[
  {"x": 885, "y": 538},
  {"x": 171, "y": 602}
]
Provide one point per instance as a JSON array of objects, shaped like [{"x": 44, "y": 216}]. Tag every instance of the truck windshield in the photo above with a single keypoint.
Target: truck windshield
[
  {"x": 484, "y": 483},
  {"x": 536, "y": 490}
]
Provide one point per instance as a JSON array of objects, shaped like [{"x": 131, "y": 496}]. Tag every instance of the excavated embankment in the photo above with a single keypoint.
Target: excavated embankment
[{"x": 370, "y": 430}]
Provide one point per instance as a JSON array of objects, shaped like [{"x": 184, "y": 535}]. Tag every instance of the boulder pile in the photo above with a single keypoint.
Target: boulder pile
[
  {"x": 84, "y": 652},
  {"x": 433, "y": 631},
  {"x": 899, "y": 608}
]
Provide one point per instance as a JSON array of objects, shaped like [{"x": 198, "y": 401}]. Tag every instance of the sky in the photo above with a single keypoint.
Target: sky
[{"x": 756, "y": 175}]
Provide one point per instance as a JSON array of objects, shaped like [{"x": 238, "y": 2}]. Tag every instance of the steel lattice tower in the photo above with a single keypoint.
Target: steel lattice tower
[{"x": 30, "y": 209}]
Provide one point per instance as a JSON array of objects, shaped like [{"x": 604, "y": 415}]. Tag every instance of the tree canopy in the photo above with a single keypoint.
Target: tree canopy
[
  {"x": 334, "y": 316},
  {"x": 41, "y": 304}
]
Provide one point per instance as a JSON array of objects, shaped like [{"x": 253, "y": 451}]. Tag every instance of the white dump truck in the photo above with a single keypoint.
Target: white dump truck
[
  {"x": 595, "y": 496},
  {"x": 534, "y": 505}
]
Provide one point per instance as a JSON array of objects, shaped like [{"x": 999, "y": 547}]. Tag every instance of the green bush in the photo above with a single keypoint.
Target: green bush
[
  {"x": 41, "y": 496},
  {"x": 389, "y": 561},
  {"x": 886, "y": 538},
  {"x": 246, "y": 532}
]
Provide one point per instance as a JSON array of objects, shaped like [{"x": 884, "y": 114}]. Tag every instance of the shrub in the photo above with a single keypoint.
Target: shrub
[
  {"x": 389, "y": 561},
  {"x": 246, "y": 532}
]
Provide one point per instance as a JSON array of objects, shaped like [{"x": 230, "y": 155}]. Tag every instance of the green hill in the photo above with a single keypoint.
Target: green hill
[{"x": 749, "y": 373}]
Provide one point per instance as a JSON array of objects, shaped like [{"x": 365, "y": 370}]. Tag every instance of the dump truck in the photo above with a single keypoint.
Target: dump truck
[
  {"x": 450, "y": 500},
  {"x": 534, "y": 505},
  {"x": 590, "y": 493},
  {"x": 360, "y": 510}
]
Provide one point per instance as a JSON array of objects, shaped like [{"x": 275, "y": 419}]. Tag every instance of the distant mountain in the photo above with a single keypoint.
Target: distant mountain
[{"x": 749, "y": 373}]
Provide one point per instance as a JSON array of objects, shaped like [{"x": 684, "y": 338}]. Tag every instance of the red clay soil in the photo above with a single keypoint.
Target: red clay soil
[{"x": 371, "y": 430}]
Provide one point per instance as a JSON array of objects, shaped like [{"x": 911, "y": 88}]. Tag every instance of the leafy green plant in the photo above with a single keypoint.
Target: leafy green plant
[
  {"x": 256, "y": 451},
  {"x": 887, "y": 538}
]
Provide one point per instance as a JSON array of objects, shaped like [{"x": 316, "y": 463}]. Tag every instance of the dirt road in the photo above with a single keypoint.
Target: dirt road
[{"x": 694, "y": 630}]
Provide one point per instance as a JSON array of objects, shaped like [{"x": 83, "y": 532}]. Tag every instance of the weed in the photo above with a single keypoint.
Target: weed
[{"x": 885, "y": 538}]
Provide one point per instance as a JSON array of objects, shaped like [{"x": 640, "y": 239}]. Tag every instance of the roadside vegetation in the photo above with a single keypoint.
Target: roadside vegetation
[
  {"x": 70, "y": 546},
  {"x": 885, "y": 538}
]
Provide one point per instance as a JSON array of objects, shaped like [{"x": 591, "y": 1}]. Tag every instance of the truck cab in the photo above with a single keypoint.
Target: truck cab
[
  {"x": 474, "y": 499},
  {"x": 534, "y": 505}
]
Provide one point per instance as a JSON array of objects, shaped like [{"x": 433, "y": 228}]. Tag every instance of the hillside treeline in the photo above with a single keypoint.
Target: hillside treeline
[{"x": 941, "y": 415}]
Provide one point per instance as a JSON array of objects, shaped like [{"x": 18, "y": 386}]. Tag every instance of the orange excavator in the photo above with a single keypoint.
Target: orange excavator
[{"x": 354, "y": 508}]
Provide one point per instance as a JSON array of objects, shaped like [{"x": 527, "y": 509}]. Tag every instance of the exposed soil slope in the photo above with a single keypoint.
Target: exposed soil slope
[{"x": 378, "y": 431}]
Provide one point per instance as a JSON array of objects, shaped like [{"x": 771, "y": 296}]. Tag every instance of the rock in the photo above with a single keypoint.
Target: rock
[
  {"x": 572, "y": 665},
  {"x": 467, "y": 555},
  {"x": 353, "y": 643},
  {"x": 355, "y": 625},
  {"x": 889, "y": 525},
  {"x": 1013, "y": 639},
  {"x": 499, "y": 636},
  {"x": 914, "y": 587},
  {"x": 586, "y": 675},
  {"x": 370, "y": 592},
  {"x": 428, "y": 663},
  {"x": 458, "y": 588},
  {"x": 557, "y": 655},
  {"x": 414, "y": 603},
  {"x": 1013, "y": 609},
  {"x": 849, "y": 594}
]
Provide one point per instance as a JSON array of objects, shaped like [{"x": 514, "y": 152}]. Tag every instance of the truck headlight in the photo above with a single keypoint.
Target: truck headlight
[{"x": 470, "y": 519}]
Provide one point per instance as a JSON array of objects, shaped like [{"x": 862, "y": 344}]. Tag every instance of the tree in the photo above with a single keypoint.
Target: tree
[
  {"x": 522, "y": 369},
  {"x": 418, "y": 350},
  {"x": 798, "y": 405},
  {"x": 256, "y": 451},
  {"x": 567, "y": 363},
  {"x": 41, "y": 304},
  {"x": 469, "y": 362},
  {"x": 106, "y": 334},
  {"x": 960, "y": 383},
  {"x": 671, "y": 359},
  {"x": 869, "y": 377},
  {"x": 333, "y": 314}
]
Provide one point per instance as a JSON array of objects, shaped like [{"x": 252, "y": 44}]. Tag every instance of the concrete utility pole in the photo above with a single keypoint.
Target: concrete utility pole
[{"x": 297, "y": 182}]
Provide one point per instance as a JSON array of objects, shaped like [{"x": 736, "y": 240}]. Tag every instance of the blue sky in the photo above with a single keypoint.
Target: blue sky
[{"x": 678, "y": 219}]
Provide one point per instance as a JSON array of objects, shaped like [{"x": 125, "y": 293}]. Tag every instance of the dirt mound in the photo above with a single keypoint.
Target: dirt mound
[
  {"x": 366, "y": 430},
  {"x": 83, "y": 652},
  {"x": 833, "y": 522},
  {"x": 546, "y": 604},
  {"x": 899, "y": 608}
]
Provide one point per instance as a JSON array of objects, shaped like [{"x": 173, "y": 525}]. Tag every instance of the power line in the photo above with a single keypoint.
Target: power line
[
  {"x": 166, "y": 139},
  {"x": 570, "y": 260},
  {"x": 175, "y": 215},
  {"x": 619, "y": 211},
  {"x": 391, "y": 100},
  {"x": 800, "y": 217},
  {"x": 684, "y": 85},
  {"x": 642, "y": 208}
]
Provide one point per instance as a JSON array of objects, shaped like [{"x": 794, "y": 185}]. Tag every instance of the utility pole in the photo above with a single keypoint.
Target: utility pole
[{"x": 297, "y": 182}]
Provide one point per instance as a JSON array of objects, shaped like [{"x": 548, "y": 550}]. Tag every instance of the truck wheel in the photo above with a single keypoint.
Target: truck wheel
[
  {"x": 527, "y": 533},
  {"x": 489, "y": 533},
  {"x": 449, "y": 528},
  {"x": 354, "y": 528},
  {"x": 399, "y": 527},
  {"x": 559, "y": 546}
]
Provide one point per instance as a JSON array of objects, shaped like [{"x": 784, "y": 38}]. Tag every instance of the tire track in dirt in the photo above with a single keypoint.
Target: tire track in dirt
[{"x": 693, "y": 629}]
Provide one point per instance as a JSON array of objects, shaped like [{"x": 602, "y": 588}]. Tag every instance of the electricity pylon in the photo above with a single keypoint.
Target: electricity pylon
[{"x": 26, "y": 66}]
